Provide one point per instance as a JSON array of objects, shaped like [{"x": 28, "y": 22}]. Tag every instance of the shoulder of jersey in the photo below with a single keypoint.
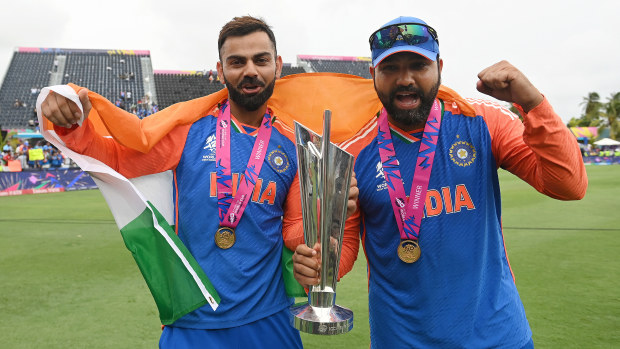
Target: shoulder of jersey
[
  {"x": 488, "y": 108},
  {"x": 284, "y": 129},
  {"x": 361, "y": 139}
]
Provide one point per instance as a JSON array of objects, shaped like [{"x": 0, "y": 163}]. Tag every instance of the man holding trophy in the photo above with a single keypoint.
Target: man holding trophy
[
  {"x": 444, "y": 281},
  {"x": 235, "y": 184}
]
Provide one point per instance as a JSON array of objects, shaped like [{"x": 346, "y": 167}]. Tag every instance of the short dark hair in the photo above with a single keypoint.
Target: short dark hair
[{"x": 241, "y": 26}]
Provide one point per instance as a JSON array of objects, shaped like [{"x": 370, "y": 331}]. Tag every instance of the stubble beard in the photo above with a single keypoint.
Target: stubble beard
[{"x": 250, "y": 103}]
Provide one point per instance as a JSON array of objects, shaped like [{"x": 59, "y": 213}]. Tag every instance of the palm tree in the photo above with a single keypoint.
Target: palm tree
[
  {"x": 592, "y": 103},
  {"x": 591, "y": 111},
  {"x": 612, "y": 111}
]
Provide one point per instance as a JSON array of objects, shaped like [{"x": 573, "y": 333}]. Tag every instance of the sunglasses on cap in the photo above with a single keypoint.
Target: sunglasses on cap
[{"x": 415, "y": 34}]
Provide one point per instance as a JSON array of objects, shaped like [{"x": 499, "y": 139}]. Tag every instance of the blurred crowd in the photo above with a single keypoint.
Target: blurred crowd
[
  {"x": 142, "y": 107},
  {"x": 39, "y": 156},
  {"x": 602, "y": 151}
]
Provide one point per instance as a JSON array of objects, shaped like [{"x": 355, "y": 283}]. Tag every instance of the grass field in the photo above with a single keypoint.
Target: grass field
[{"x": 67, "y": 281}]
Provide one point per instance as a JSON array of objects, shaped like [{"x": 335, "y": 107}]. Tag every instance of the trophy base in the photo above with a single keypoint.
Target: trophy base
[{"x": 324, "y": 321}]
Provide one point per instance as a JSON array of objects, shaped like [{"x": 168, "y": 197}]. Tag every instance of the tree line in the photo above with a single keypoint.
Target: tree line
[{"x": 598, "y": 113}]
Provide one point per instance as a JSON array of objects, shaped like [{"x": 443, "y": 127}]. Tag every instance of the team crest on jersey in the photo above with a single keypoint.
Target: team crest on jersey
[
  {"x": 209, "y": 155},
  {"x": 278, "y": 160},
  {"x": 462, "y": 153}
]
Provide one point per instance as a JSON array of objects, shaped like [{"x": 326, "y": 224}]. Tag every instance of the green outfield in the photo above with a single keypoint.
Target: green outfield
[{"x": 67, "y": 281}]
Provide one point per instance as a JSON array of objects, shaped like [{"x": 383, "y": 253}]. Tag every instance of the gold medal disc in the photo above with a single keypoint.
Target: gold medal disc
[
  {"x": 225, "y": 237},
  {"x": 409, "y": 251}
]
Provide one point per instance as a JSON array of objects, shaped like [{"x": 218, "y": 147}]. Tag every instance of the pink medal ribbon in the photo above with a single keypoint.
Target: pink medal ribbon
[
  {"x": 231, "y": 209},
  {"x": 409, "y": 212}
]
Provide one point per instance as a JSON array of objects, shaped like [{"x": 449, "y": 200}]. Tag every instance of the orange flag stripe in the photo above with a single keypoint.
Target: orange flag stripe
[{"x": 301, "y": 97}]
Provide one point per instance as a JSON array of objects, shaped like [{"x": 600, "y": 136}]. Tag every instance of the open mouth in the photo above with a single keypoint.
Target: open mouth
[
  {"x": 407, "y": 100},
  {"x": 250, "y": 89},
  {"x": 250, "y": 86}
]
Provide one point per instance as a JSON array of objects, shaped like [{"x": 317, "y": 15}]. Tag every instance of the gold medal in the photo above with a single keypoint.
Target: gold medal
[
  {"x": 225, "y": 237},
  {"x": 409, "y": 251}
]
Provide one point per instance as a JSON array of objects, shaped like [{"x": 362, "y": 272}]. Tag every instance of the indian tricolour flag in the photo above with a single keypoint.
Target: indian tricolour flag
[
  {"x": 143, "y": 207},
  {"x": 143, "y": 210}
]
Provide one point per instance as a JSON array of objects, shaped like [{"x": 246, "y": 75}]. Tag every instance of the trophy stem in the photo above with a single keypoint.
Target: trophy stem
[
  {"x": 324, "y": 231},
  {"x": 322, "y": 299}
]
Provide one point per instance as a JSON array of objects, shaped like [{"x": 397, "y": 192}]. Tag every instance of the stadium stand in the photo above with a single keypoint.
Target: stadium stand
[
  {"x": 126, "y": 78},
  {"x": 117, "y": 75},
  {"x": 288, "y": 69},
  {"x": 27, "y": 74},
  {"x": 175, "y": 86},
  {"x": 336, "y": 64}
]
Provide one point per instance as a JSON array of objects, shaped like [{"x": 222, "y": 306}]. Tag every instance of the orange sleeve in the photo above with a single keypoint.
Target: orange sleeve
[
  {"x": 350, "y": 244},
  {"x": 292, "y": 223},
  {"x": 541, "y": 151},
  {"x": 164, "y": 155},
  {"x": 351, "y": 238}
]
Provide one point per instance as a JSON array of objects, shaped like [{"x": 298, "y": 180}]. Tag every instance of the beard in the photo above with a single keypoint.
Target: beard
[
  {"x": 253, "y": 102},
  {"x": 410, "y": 117}
]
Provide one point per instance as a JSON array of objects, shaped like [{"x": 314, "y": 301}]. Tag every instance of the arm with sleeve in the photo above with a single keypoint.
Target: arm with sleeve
[{"x": 541, "y": 150}]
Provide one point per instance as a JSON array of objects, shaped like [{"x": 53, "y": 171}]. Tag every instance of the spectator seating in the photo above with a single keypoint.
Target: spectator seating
[
  {"x": 337, "y": 64},
  {"x": 27, "y": 74},
  {"x": 126, "y": 78},
  {"x": 175, "y": 86},
  {"x": 288, "y": 69},
  {"x": 115, "y": 74}
]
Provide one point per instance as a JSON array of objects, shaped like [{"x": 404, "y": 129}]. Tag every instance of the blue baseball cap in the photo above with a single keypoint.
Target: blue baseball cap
[{"x": 404, "y": 34}]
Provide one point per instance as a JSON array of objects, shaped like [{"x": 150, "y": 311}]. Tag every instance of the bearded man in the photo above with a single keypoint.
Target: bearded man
[
  {"x": 235, "y": 187},
  {"x": 438, "y": 271}
]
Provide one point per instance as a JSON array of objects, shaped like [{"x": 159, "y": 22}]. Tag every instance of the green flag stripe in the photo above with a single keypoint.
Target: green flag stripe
[
  {"x": 176, "y": 281},
  {"x": 206, "y": 288}
]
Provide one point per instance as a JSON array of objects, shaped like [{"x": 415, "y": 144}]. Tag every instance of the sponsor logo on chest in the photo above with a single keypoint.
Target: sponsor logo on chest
[
  {"x": 383, "y": 184},
  {"x": 208, "y": 153}
]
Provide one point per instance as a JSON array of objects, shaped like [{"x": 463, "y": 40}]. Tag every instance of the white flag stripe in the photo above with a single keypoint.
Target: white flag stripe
[
  {"x": 125, "y": 201},
  {"x": 158, "y": 190}
]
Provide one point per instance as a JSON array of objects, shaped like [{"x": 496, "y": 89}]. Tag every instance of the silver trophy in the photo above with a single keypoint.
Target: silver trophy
[{"x": 324, "y": 178}]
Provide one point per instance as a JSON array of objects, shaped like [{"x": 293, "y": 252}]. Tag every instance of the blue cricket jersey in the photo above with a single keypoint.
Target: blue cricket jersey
[
  {"x": 461, "y": 292},
  {"x": 248, "y": 275}
]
